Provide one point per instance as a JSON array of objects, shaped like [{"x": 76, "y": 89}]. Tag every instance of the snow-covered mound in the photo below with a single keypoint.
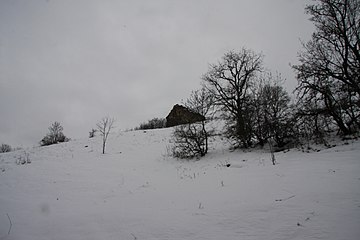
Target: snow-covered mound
[{"x": 135, "y": 191}]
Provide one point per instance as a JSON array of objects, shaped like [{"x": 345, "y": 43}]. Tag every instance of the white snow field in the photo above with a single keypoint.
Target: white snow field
[{"x": 135, "y": 191}]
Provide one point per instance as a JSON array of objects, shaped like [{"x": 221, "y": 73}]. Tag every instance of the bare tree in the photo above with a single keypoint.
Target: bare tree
[
  {"x": 311, "y": 121},
  {"x": 104, "y": 127},
  {"x": 202, "y": 102},
  {"x": 273, "y": 117},
  {"x": 55, "y": 135},
  {"x": 229, "y": 82},
  {"x": 92, "y": 133},
  {"x": 5, "y": 148},
  {"x": 329, "y": 70},
  {"x": 191, "y": 140},
  {"x": 275, "y": 109}
]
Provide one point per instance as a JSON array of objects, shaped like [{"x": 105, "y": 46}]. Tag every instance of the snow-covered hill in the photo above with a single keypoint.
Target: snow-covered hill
[{"x": 135, "y": 191}]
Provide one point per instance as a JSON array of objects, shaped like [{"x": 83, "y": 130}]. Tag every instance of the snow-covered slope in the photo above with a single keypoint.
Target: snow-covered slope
[{"x": 135, "y": 191}]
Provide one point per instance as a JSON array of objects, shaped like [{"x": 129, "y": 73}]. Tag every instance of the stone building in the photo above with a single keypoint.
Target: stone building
[{"x": 182, "y": 115}]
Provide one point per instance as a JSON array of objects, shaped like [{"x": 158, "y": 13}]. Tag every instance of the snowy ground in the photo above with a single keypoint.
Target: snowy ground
[{"x": 135, "y": 191}]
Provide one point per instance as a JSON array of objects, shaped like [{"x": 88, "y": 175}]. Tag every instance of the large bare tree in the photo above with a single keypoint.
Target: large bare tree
[
  {"x": 229, "y": 82},
  {"x": 329, "y": 70}
]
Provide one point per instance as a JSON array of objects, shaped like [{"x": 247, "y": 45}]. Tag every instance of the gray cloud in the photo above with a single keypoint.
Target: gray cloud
[{"x": 77, "y": 61}]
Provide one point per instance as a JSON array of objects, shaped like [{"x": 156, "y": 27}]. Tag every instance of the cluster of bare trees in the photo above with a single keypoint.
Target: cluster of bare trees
[
  {"x": 257, "y": 108},
  {"x": 153, "y": 123},
  {"x": 54, "y": 136},
  {"x": 329, "y": 69},
  {"x": 252, "y": 102}
]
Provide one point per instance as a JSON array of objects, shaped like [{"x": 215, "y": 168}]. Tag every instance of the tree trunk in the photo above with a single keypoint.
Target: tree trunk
[
  {"x": 103, "y": 151},
  {"x": 206, "y": 137}
]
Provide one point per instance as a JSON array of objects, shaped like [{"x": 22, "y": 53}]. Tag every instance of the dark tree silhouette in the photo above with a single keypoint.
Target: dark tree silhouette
[
  {"x": 192, "y": 139},
  {"x": 5, "y": 148},
  {"x": 229, "y": 83},
  {"x": 55, "y": 135},
  {"x": 92, "y": 133},
  {"x": 329, "y": 70}
]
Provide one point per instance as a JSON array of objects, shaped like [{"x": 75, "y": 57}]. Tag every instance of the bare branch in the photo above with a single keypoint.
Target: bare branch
[{"x": 10, "y": 223}]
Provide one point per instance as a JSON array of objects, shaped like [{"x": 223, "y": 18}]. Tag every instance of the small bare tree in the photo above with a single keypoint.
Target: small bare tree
[
  {"x": 191, "y": 140},
  {"x": 104, "y": 127},
  {"x": 92, "y": 133},
  {"x": 202, "y": 102},
  {"x": 54, "y": 136},
  {"x": 5, "y": 148}
]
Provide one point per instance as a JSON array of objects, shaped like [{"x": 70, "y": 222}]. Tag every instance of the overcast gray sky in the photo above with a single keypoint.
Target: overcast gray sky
[{"x": 75, "y": 61}]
